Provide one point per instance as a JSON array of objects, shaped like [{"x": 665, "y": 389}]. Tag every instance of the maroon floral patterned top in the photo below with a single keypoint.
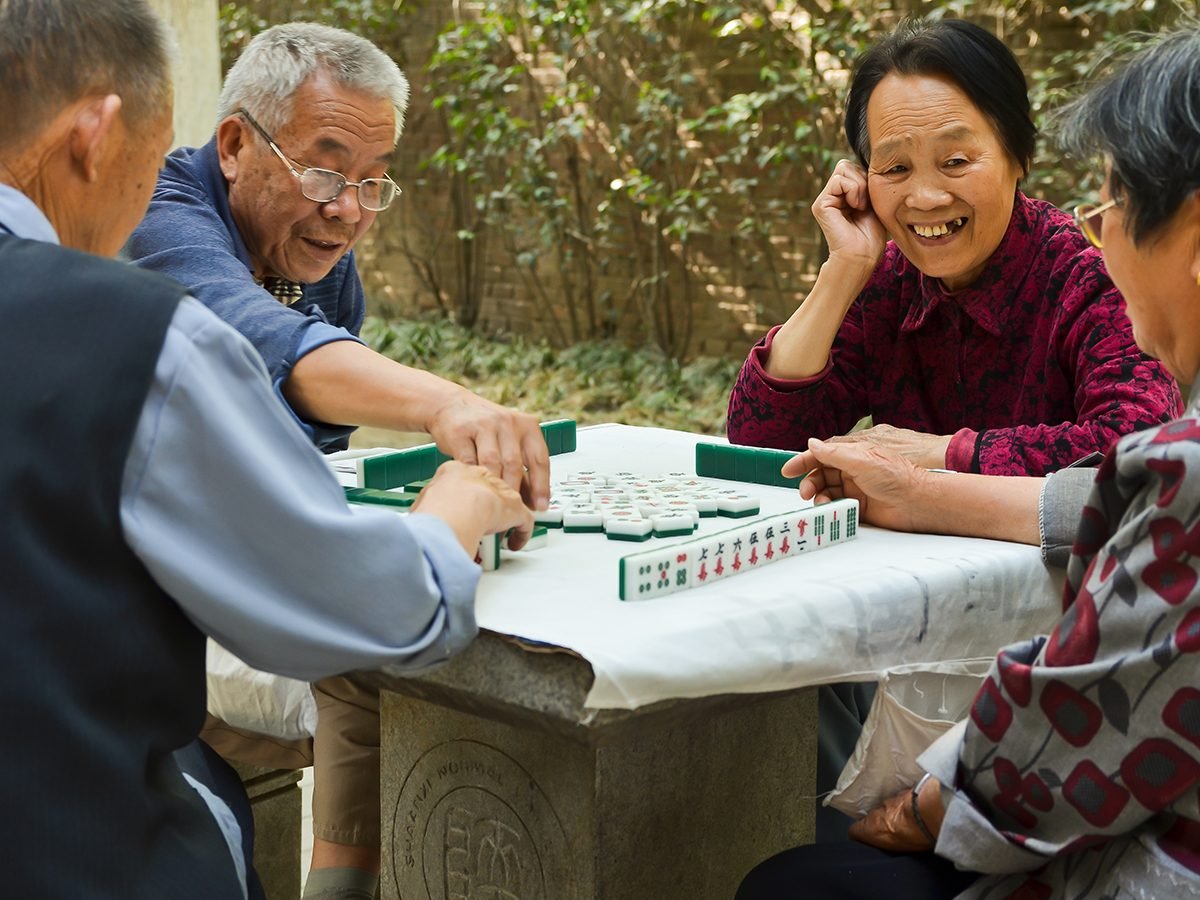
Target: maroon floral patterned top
[
  {"x": 1078, "y": 771},
  {"x": 1031, "y": 368}
]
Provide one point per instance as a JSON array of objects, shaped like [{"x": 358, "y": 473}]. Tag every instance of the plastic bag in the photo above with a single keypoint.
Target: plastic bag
[
  {"x": 258, "y": 701},
  {"x": 913, "y": 707}
]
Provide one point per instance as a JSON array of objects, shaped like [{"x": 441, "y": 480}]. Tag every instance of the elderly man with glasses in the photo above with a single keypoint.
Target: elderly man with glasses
[{"x": 260, "y": 225}]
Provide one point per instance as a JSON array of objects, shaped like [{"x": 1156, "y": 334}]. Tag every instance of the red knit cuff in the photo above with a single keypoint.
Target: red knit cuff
[{"x": 960, "y": 453}]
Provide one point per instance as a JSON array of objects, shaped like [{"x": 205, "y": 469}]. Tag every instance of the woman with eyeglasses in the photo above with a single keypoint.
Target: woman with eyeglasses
[
  {"x": 976, "y": 325},
  {"x": 1077, "y": 773}
]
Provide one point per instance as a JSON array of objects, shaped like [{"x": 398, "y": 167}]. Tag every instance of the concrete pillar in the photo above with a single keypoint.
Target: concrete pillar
[{"x": 197, "y": 67}]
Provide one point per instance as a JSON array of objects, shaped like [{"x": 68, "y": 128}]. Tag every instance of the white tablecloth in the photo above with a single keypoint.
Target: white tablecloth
[{"x": 841, "y": 613}]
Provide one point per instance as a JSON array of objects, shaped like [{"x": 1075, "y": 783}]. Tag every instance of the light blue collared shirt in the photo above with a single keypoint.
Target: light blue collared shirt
[{"x": 239, "y": 519}]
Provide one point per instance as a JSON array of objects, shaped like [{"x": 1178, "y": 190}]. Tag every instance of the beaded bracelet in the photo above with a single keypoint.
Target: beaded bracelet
[{"x": 916, "y": 810}]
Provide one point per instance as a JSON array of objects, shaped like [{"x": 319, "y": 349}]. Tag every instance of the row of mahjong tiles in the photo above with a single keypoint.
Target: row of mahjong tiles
[
  {"x": 627, "y": 506},
  {"x": 697, "y": 561},
  {"x": 750, "y": 545}
]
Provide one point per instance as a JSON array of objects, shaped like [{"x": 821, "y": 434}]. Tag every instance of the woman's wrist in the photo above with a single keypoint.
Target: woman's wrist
[
  {"x": 926, "y": 807},
  {"x": 915, "y": 810},
  {"x": 853, "y": 271}
]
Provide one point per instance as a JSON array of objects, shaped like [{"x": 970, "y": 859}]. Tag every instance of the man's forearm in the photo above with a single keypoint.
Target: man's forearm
[{"x": 346, "y": 383}]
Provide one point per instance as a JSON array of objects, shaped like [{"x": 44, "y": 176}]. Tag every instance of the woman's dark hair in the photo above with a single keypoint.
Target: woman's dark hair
[
  {"x": 1145, "y": 121},
  {"x": 975, "y": 60}
]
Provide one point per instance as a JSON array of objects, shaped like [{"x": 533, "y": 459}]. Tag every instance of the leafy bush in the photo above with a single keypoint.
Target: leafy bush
[{"x": 591, "y": 381}]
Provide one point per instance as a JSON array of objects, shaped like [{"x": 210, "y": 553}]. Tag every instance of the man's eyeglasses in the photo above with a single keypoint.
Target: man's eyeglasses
[
  {"x": 1089, "y": 217},
  {"x": 325, "y": 185}
]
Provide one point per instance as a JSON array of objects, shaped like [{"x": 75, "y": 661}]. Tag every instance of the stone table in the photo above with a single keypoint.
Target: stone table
[
  {"x": 588, "y": 749},
  {"x": 499, "y": 782}
]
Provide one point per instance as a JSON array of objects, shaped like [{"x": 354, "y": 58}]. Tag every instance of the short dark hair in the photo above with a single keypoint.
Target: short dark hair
[
  {"x": 1145, "y": 121},
  {"x": 53, "y": 52},
  {"x": 974, "y": 59}
]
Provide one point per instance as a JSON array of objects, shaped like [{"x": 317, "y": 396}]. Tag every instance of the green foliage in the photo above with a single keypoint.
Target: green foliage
[
  {"x": 591, "y": 381},
  {"x": 596, "y": 149},
  {"x": 239, "y": 22}
]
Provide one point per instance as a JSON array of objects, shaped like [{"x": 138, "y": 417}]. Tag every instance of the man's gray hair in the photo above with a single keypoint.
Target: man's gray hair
[
  {"x": 54, "y": 52},
  {"x": 278, "y": 61}
]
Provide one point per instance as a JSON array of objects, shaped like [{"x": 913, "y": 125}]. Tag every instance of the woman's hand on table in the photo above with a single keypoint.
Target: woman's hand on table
[
  {"x": 886, "y": 485},
  {"x": 928, "y": 450}
]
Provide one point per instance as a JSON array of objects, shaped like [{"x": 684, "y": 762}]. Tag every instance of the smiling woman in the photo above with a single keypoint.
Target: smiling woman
[
  {"x": 1076, "y": 771},
  {"x": 985, "y": 335},
  {"x": 940, "y": 178}
]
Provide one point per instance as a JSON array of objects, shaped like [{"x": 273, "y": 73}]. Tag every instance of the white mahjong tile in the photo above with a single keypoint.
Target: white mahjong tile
[
  {"x": 673, "y": 524},
  {"x": 771, "y": 540},
  {"x": 553, "y": 515},
  {"x": 752, "y": 554},
  {"x": 683, "y": 507},
  {"x": 648, "y": 507},
  {"x": 488, "y": 554},
  {"x": 630, "y": 528},
  {"x": 566, "y": 500},
  {"x": 660, "y": 483},
  {"x": 610, "y": 503},
  {"x": 653, "y": 573},
  {"x": 796, "y": 533},
  {"x": 736, "y": 557},
  {"x": 736, "y": 505},
  {"x": 610, "y": 513},
  {"x": 710, "y": 562},
  {"x": 582, "y": 517},
  {"x": 841, "y": 520}
]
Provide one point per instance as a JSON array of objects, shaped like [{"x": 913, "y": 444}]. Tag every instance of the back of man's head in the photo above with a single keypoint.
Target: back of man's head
[
  {"x": 279, "y": 60},
  {"x": 54, "y": 52}
]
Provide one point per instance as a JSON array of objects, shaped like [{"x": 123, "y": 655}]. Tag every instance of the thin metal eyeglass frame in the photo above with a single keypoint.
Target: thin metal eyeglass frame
[
  {"x": 1085, "y": 213},
  {"x": 342, "y": 178}
]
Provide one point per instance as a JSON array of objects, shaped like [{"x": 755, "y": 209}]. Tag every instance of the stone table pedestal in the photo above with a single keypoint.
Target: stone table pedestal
[{"x": 499, "y": 785}]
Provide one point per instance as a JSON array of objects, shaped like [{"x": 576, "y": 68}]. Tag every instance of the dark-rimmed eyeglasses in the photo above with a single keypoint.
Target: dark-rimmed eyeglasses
[
  {"x": 325, "y": 185},
  {"x": 1089, "y": 218}
]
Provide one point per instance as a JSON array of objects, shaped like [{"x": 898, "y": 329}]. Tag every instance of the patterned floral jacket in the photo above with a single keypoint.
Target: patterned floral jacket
[
  {"x": 1031, "y": 368},
  {"x": 1078, "y": 770}
]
